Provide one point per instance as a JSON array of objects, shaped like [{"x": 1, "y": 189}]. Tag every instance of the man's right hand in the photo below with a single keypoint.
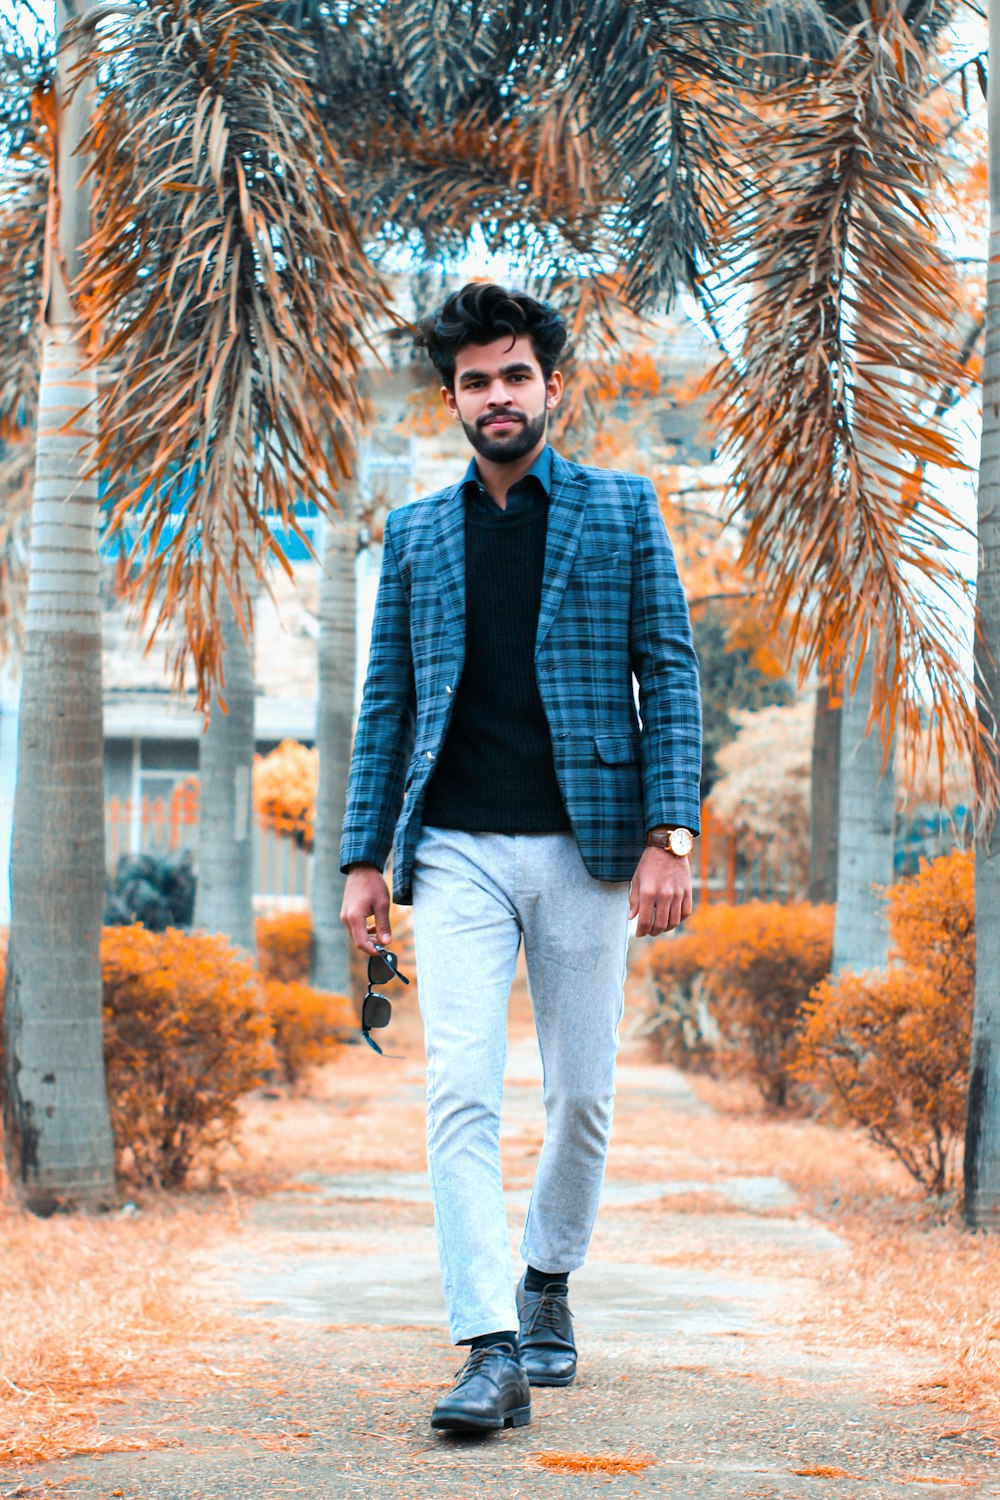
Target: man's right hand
[{"x": 366, "y": 895}]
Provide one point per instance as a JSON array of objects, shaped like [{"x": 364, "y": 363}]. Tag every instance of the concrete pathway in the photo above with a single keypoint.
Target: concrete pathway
[{"x": 696, "y": 1375}]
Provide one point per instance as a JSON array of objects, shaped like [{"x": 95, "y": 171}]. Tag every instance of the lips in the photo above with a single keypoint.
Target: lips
[{"x": 502, "y": 421}]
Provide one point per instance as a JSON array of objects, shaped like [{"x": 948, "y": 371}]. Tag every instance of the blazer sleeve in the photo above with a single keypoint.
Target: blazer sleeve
[
  {"x": 383, "y": 743},
  {"x": 666, "y": 668}
]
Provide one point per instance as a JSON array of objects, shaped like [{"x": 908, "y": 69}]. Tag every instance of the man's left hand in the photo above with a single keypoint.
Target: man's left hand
[{"x": 661, "y": 893}]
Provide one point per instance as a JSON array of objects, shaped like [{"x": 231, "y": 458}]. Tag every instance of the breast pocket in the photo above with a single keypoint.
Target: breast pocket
[{"x": 596, "y": 566}]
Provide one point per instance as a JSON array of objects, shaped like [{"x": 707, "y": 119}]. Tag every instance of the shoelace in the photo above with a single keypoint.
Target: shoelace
[
  {"x": 477, "y": 1356},
  {"x": 548, "y": 1309}
]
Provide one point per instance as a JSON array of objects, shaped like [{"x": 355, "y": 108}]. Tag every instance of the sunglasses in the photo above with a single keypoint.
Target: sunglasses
[{"x": 376, "y": 1011}]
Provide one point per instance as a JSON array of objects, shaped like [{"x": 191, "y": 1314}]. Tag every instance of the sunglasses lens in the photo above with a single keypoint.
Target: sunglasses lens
[
  {"x": 376, "y": 1012},
  {"x": 379, "y": 971}
]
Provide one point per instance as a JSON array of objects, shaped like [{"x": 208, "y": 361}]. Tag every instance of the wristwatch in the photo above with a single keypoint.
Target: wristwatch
[{"x": 679, "y": 841}]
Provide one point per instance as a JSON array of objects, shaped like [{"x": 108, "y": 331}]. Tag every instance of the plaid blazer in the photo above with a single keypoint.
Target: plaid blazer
[{"x": 611, "y": 606}]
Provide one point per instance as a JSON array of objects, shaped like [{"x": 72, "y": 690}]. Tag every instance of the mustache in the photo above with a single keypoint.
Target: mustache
[{"x": 507, "y": 416}]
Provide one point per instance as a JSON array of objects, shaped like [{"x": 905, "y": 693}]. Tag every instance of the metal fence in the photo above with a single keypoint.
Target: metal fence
[
  {"x": 722, "y": 868},
  {"x": 155, "y": 825}
]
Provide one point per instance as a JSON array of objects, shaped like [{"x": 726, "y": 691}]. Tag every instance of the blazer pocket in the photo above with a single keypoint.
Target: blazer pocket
[
  {"x": 587, "y": 565},
  {"x": 616, "y": 749}
]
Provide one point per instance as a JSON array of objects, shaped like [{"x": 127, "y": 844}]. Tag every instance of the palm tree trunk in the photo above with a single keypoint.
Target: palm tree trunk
[
  {"x": 334, "y": 725},
  {"x": 57, "y": 1127},
  {"x": 982, "y": 1130},
  {"x": 224, "y": 901},
  {"x": 866, "y": 826},
  {"x": 824, "y": 798}
]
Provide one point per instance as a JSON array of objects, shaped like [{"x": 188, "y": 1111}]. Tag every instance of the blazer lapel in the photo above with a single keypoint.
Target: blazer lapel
[
  {"x": 449, "y": 538},
  {"x": 566, "y": 507}
]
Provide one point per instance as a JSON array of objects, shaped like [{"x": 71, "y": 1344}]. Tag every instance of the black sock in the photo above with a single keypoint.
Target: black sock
[
  {"x": 540, "y": 1281},
  {"x": 488, "y": 1340}
]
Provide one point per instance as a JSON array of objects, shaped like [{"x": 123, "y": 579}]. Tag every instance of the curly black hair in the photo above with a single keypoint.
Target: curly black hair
[{"x": 482, "y": 312}]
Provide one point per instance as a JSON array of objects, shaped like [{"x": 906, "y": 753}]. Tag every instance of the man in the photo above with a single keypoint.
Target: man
[{"x": 498, "y": 738}]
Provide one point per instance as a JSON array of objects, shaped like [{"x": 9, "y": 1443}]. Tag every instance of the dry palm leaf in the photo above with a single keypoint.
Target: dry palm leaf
[
  {"x": 24, "y": 186},
  {"x": 230, "y": 295},
  {"x": 829, "y": 410}
]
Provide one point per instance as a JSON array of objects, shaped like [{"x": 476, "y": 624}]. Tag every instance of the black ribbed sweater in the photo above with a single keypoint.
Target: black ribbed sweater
[{"x": 495, "y": 772}]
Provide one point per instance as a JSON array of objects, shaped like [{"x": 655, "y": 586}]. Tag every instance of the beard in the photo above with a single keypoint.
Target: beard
[{"x": 502, "y": 450}]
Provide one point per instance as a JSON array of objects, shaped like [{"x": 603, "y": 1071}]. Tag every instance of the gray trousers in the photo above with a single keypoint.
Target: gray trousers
[{"x": 474, "y": 896}]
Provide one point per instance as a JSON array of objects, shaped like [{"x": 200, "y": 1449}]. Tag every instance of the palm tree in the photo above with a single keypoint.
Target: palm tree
[
  {"x": 852, "y": 308},
  {"x": 57, "y": 1129},
  {"x": 569, "y": 133},
  {"x": 334, "y": 722},
  {"x": 982, "y": 1138},
  {"x": 224, "y": 897},
  {"x": 226, "y": 292}
]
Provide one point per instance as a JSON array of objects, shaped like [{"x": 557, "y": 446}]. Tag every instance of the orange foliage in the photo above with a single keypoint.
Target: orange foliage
[
  {"x": 185, "y": 1034},
  {"x": 285, "y": 946},
  {"x": 307, "y": 1025},
  {"x": 284, "y": 790},
  {"x": 754, "y": 966},
  {"x": 892, "y": 1050}
]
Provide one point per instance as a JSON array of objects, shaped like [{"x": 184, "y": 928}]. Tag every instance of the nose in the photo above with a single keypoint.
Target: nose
[{"x": 498, "y": 395}]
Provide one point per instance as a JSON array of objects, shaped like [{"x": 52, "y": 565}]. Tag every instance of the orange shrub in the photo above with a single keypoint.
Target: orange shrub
[
  {"x": 680, "y": 1020},
  {"x": 752, "y": 967},
  {"x": 185, "y": 1034},
  {"x": 307, "y": 1025},
  {"x": 285, "y": 946},
  {"x": 284, "y": 790},
  {"x": 892, "y": 1050}
]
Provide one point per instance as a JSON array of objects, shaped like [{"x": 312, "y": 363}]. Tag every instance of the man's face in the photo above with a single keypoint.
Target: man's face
[{"x": 501, "y": 397}]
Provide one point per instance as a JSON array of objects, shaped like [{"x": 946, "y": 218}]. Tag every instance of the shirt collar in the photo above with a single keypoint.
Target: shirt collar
[{"x": 541, "y": 470}]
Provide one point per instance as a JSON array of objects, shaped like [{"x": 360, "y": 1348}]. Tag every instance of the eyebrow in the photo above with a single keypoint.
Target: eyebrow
[{"x": 516, "y": 368}]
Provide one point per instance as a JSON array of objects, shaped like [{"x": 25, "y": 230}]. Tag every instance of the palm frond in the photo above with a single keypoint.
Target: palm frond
[
  {"x": 829, "y": 408},
  {"x": 24, "y": 190},
  {"x": 530, "y": 187},
  {"x": 27, "y": 64},
  {"x": 229, "y": 293},
  {"x": 17, "y": 475}
]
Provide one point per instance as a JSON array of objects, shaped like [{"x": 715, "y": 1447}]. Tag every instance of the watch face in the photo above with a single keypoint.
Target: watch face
[{"x": 681, "y": 841}]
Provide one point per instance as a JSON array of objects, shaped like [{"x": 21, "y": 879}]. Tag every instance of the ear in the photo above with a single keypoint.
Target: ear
[
  {"x": 553, "y": 390},
  {"x": 448, "y": 397}
]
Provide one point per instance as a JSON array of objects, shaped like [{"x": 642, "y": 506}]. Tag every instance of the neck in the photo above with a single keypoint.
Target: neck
[{"x": 498, "y": 478}]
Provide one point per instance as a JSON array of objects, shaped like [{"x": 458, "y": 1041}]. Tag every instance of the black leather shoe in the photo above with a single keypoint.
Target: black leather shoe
[
  {"x": 490, "y": 1392},
  {"x": 548, "y": 1349}
]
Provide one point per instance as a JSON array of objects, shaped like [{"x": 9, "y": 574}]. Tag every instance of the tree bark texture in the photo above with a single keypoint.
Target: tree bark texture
[
  {"x": 224, "y": 900},
  {"x": 982, "y": 1131},
  {"x": 866, "y": 832},
  {"x": 824, "y": 798},
  {"x": 57, "y": 1129},
  {"x": 334, "y": 726}
]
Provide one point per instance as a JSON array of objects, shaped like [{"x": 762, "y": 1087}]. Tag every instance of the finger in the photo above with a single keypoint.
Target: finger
[
  {"x": 668, "y": 907},
  {"x": 355, "y": 919},
  {"x": 645, "y": 912},
  {"x": 364, "y": 937},
  {"x": 687, "y": 905},
  {"x": 382, "y": 919}
]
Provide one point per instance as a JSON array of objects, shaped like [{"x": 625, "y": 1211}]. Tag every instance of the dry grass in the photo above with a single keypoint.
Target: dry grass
[
  {"x": 915, "y": 1281},
  {"x": 593, "y": 1463},
  {"x": 98, "y": 1314},
  {"x": 94, "y": 1312}
]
